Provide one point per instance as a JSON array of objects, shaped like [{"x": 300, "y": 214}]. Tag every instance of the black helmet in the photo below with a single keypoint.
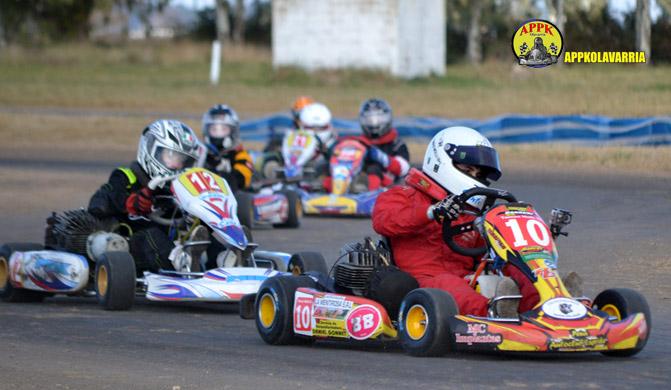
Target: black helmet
[
  {"x": 375, "y": 118},
  {"x": 221, "y": 127}
]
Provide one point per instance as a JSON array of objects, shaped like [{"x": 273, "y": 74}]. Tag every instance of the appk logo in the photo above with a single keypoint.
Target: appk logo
[{"x": 537, "y": 43}]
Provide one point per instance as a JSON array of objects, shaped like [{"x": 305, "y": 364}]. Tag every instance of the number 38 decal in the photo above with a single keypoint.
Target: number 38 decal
[{"x": 363, "y": 321}]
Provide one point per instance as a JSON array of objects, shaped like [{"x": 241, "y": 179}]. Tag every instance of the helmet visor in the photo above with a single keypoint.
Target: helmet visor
[
  {"x": 375, "y": 119},
  {"x": 483, "y": 157},
  {"x": 317, "y": 128},
  {"x": 172, "y": 159},
  {"x": 218, "y": 129}
]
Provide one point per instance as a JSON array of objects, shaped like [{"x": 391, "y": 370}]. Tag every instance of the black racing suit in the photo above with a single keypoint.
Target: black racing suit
[
  {"x": 393, "y": 146},
  {"x": 149, "y": 243},
  {"x": 235, "y": 166}
]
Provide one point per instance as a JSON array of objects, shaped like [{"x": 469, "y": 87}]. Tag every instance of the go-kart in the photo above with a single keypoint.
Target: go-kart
[
  {"x": 297, "y": 169},
  {"x": 298, "y": 309},
  {"x": 349, "y": 194},
  {"x": 85, "y": 256},
  {"x": 267, "y": 207},
  {"x": 295, "y": 163}
]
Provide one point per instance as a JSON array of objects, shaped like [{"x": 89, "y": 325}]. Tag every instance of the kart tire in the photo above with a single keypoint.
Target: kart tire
[
  {"x": 274, "y": 307},
  {"x": 270, "y": 167},
  {"x": 295, "y": 210},
  {"x": 9, "y": 293},
  {"x": 115, "y": 281},
  {"x": 621, "y": 303},
  {"x": 245, "y": 208},
  {"x": 303, "y": 262},
  {"x": 424, "y": 322}
]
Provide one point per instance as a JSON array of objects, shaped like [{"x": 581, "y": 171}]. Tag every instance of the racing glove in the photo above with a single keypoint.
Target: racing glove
[
  {"x": 447, "y": 209},
  {"x": 377, "y": 155},
  {"x": 140, "y": 202}
]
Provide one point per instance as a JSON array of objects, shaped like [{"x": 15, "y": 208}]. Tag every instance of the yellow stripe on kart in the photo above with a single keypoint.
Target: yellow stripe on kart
[
  {"x": 626, "y": 343},
  {"x": 332, "y": 203},
  {"x": 510, "y": 345}
]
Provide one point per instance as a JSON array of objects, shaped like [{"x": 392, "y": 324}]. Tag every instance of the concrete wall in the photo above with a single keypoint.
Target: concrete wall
[{"x": 403, "y": 37}]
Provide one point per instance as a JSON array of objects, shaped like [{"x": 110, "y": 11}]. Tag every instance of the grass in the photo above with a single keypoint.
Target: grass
[
  {"x": 172, "y": 77},
  {"x": 169, "y": 76}
]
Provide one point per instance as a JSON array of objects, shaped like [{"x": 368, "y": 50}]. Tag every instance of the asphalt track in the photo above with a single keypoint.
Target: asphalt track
[{"x": 620, "y": 238}]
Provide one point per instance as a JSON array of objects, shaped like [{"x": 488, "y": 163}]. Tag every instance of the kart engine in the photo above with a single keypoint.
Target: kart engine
[
  {"x": 357, "y": 263},
  {"x": 69, "y": 230}
]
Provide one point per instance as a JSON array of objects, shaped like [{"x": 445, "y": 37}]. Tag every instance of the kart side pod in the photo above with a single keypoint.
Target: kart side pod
[{"x": 49, "y": 271}]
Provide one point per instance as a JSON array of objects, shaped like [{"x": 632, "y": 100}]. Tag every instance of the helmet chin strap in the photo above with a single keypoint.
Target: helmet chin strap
[
  {"x": 222, "y": 144},
  {"x": 228, "y": 143}
]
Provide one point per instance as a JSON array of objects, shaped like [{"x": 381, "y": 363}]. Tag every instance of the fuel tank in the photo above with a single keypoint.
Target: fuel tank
[{"x": 49, "y": 271}]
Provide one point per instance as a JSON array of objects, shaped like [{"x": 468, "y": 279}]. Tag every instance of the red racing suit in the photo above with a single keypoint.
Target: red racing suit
[
  {"x": 400, "y": 214},
  {"x": 377, "y": 175}
]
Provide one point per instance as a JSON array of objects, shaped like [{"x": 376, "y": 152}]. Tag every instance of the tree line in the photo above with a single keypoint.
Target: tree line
[{"x": 476, "y": 30}]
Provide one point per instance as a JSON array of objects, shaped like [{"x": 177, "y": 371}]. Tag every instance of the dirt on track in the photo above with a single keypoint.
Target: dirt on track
[{"x": 620, "y": 238}]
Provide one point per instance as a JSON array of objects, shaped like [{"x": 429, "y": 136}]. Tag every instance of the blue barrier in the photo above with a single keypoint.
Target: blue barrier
[{"x": 585, "y": 129}]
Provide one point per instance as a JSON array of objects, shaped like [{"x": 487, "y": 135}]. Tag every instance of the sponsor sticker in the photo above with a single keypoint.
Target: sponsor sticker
[
  {"x": 564, "y": 309},
  {"x": 303, "y": 313},
  {"x": 363, "y": 321},
  {"x": 326, "y": 327},
  {"x": 578, "y": 343},
  {"x": 478, "y": 334}
]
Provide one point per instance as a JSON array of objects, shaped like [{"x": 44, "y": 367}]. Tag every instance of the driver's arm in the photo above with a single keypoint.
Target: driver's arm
[
  {"x": 400, "y": 211},
  {"x": 110, "y": 199}
]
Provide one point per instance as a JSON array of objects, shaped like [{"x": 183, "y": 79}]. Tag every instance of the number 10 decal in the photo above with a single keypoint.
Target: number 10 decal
[
  {"x": 303, "y": 313},
  {"x": 535, "y": 230}
]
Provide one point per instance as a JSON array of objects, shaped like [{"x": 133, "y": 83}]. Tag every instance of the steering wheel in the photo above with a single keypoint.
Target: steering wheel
[
  {"x": 156, "y": 214},
  {"x": 450, "y": 232}
]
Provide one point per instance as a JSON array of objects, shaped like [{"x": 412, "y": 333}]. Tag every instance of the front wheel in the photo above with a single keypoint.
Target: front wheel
[
  {"x": 424, "y": 322},
  {"x": 115, "y": 280},
  {"x": 303, "y": 262},
  {"x": 274, "y": 309},
  {"x": 620, "y": 303},
  {"x": 9, "y": 293}
]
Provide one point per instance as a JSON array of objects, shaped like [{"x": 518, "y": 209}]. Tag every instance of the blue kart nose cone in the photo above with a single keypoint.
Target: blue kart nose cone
[{"x": 236, "y": 234}]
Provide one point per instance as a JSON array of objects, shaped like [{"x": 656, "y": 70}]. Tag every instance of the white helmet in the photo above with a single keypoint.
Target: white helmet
[
  {"x": 317, "y": 117},
  {"x": 461, "y": 145},
  {"x": 167, "y": 147}
]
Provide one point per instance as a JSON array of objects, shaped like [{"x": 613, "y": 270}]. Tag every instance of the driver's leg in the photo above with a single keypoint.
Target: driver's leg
[
  {"x": 375, "y": 174},
  {"x": 150, "y": 249},
  {"x": 468, "y": 301},
  {"x": 529, "y": 293}
]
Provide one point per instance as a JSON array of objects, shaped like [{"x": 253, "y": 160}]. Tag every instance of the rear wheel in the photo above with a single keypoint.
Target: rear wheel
[
  {"x": 620, "y": 303},
  {"x": 424, "y": 323},
  {"x": 295, "y": 210},
  {"x": 9, "y": 293},
  {"x": 303, "y": 262},
  {"x": 115, "y": 280},
  {"x": 274, "y": 309},
  {"x": 245, "y": 208}
]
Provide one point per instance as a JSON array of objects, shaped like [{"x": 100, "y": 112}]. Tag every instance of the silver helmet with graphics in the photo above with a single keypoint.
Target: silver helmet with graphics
[{"x": 167, "y": 147}]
